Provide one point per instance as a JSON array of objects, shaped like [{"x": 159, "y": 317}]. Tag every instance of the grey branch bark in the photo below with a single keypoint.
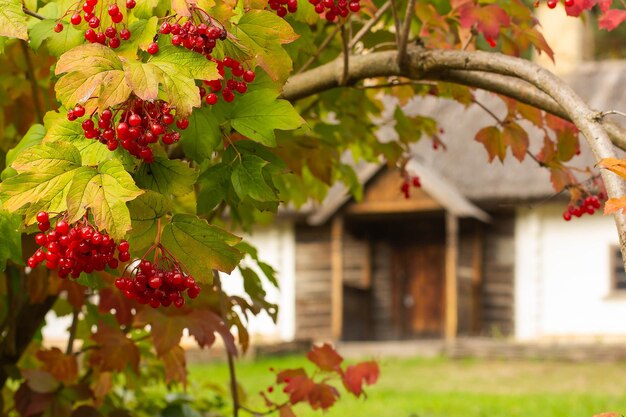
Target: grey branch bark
[{"x": 540, "y": 88}]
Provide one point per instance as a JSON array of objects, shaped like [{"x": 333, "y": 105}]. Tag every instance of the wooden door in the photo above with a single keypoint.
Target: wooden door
[{"x": 420, "y": 290}]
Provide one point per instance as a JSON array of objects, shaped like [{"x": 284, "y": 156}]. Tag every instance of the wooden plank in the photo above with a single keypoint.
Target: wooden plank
[
  {"x": 336, "y": 240},
  {"x": 477, "y": 278},
  {"x": 451, "y": 302},
  {"x": 397, "y": 206}
]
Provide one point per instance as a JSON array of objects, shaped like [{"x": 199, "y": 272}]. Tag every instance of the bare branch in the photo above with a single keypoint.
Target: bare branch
[
  {"x": 33, "y": 14},
  {"x": 323, "y": 46},
  {"x": 346, "y": 55},
  {"x": 396, "y": 20},
  {"x": 370, "y": 24},
  {"x": 406, "y": 30},
  {"x": 72, "y": 332}
]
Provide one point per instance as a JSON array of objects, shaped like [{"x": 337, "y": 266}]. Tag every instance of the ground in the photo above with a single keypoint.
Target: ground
[{"x": 469, "y": 388}]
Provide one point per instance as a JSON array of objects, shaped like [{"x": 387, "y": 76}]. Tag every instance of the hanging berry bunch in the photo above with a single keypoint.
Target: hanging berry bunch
[
  {"x": 406, "y": 185},
  {"x": 553, "y": 3},
  {"x": 198, "y": 32},
  {"x": 588, "y": 205},
  {"x": 236, "y": 83},
  {"x": 134, "y": 125},
  {"x": 282, "y": 7},
  {"x": 160, "y": 282},
  {"x": 91, "y": 14},
  {"x": 75, "y": 248},
  {"x": 331, "y": 9}
]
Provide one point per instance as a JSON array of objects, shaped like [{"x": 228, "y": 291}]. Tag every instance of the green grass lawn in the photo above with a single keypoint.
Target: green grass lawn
[{"x": 447, "y": 388}]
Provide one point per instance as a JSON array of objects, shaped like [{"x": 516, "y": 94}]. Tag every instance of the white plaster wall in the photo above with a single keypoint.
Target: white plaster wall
[
  {"x": 563, "y": 277},
  {"x": 276, "y": 246}
]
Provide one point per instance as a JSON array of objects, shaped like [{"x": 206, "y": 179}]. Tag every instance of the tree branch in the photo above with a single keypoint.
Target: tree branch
[
  {"x": 33, "y": 14},
  {"x": 406, "y": 30},
  {"x": 30, "y": 73},
  {"x": 72, "y": 332},
  {"x": 370, "y": 24},
  {"x": 430, "y": 64}
]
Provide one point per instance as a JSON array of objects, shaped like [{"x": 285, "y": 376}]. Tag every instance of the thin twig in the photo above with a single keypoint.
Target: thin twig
[
  {"x": 406, "y": 30},
  {"x": 33, "y": 14},
  {"x": 231, "y": 360},
  {"x": 602, "y": 114},
  {"x": 72, "y": 332},
  {"x": 30, "y": 74},
  {"x": 467, "y": 41},
  {"x": 370, "y": 23},
  {"x": 394, "y": 84},
  {"x": 346, "y": 55},
  {"x": 396, "y": 20},
  {"x": 323, "y": 46},
  {"x": 482, "y": 106}
]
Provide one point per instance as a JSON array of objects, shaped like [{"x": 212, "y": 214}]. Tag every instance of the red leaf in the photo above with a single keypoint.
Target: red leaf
[
  {"x": 111, "y": 298},
  {"x": 325, "y": 357},
  {"x": 611, "y": 19},
  {"x": 323, "y": 396},
  {"x": 115, "y": 350},
  {"x": 61, "y": 366},
  {"x": 548, "y": 151},
  {"x": 560, "y": 177},
  {"x": 30, "y": 403},
  {"x": 356, "y": 375},
  {"x": 491, "y": 138},
  {"x": 579, "y": 6},
  {"x": 604, "y": 5},
  {"x": 488, "y": 19},
  {"x": 297, "y": 384},
  {"x": 203, "y": 324}
]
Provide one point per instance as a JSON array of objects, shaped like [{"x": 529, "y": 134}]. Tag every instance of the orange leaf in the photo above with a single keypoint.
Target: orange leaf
[
  {"x": 491, "y": 138},
  {"x": 515, "y": 136},
  {"x": 61, "y": 366},
  {"x": 298, "y": 384},
  {"x": 325, "y": 357},
  {"x": 286, "y": 411},
  {"x": 614, "y": 204},
  {"x": 111, "y": 298},
  {"x": 617, "y": 166},
  {"x": 323, "y": 396},
  {"x": 356, "y": 375},
  {"x": 175, "y": 365}
]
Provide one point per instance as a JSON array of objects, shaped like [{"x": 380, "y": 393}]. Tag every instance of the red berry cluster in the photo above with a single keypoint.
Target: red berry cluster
[
  {"x": 406, "y": 185},
  {"x": 90, "y": 15},
  {"x": 330, "y": 9},
  {"x": 76, "y": 248},
  {"x": 162, "y": 283},
  {"x": 282, "y": 7},
  {"x": 587, "y": 206},
  {"x": 238, "y": 82},
  {"x": 139, "y": 124},
  {"x": 200, "y": 32}
]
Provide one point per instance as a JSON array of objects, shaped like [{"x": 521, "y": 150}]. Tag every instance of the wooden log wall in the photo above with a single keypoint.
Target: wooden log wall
[
  {"x": 313, "y": 283},
  {"x": 499, "y": 274}
]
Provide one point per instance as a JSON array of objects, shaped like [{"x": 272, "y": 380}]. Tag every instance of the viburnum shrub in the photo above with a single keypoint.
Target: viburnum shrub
[{"x": 140, "y": 138}]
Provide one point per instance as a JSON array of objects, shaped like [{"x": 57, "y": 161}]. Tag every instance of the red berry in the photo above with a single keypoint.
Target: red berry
[
  {"x": 248, "y": 76},
  {"x": 62, "y": 227},
  {"x": 58, "y": 27},
  {"x": 123, "y": 246},
  {"x": 42, "y": 217},
  {"x": 117, "y": 18},
  {"x": 211, "y": 98},
  {"x": 125, "y": 34},
  {"x": 134, "y": 120},
  {"x": 182, "y": 124},
  {"x": 75, "y": 19},
  {"x": 124, "y": 256},
  {"x": 79, "y": 111},
  {"x": 113, "y": 9},
  {"x": 90, "y": 35},
  {"x": 114, "y": 43},
  {"x": 153, "y": 48},
  {"x": 44, "y": 226},
  {"x": 130, "y": 4},
  {"x": 94, "y": 22},
  {"x": 41, "y": 239}
]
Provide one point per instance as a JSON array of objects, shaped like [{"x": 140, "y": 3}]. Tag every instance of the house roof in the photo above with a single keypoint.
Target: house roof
[{"x": 463, "y": 165}]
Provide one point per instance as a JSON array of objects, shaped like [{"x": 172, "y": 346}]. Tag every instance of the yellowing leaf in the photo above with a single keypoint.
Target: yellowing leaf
[
  {"x": 105, "y": 191},
  {"x": 12, "y": 19},
  {"x": 614, "y": 204},
  {"x": 617, "y": 166},
  {"x": 491, "y": 138},
  {"x": 166, "y": 176},
  {"x": 143, "y": 79},
  {"x": 515, "y": 136},
  {"x": 93, "y": 71},
  {"x": 201, "y": 247},
  {"x": 145, "y": 210}
]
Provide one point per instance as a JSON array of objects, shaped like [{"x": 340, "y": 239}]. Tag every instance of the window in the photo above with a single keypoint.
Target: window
[{"x": 618, "y": 281}]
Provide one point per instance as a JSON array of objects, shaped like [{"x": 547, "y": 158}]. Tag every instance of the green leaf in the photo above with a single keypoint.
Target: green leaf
[
  {"x": 93, "y": 70},
  {"x": 247, "y": 178},
  {"x": 11, "y": 242},
  {"x": 45, "y": 173},
  {"x": 200, "y": 246},
  {"x": 215, "y": 184},
  {"x": 145, "y": 210},
  {"x": 202, "y": 136},
  {"x": 105, "y": 191},
  {"x": 263, "y": 33},
  {"x": 142, "y": 35},
  {"x": 165, "y": 176},
  {"x": 196, "y": 65},
  {"x": 258, "y": 113},
  {"x": 33, "y": 137},
  {"x": 12, "y": 20}
]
